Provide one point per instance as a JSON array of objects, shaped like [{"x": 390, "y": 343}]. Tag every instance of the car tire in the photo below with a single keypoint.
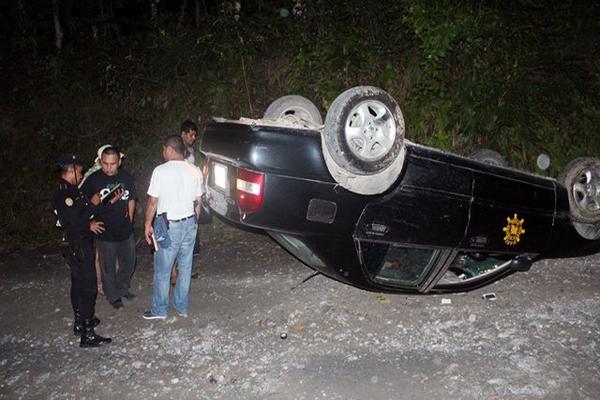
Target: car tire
[
  {"x": 294, "y": 108},
  {"x": 489, "y": 156},
  {"x": 363, "y": 140},
  {"x": 581, "y": 178},
  {"x": 588, "y": 231}
]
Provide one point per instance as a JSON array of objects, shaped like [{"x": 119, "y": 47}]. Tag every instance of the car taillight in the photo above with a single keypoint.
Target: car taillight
[{"x": 249, "y": 191}]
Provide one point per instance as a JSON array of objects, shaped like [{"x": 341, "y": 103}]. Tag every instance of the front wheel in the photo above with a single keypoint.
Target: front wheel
[
  {"x": 581, "y": 177},
  {"x": 363, "y": 140}
]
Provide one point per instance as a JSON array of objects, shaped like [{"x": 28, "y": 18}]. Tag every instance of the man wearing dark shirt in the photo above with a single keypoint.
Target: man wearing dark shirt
[{"x": 112, "y": 191}]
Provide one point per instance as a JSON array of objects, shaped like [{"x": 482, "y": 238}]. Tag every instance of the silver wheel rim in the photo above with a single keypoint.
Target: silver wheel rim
[
  {"x": 586, "y": 191},
  {"x": 370, "y": 130}
]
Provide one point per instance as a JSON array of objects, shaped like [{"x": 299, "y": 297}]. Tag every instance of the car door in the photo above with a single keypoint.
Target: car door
[
  {"x": 511, "y": 212},
  {"x": 420, "y": 221}
]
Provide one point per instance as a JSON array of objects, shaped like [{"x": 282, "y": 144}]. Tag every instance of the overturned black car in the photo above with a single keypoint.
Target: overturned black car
[{"x": 356, "y": 201}]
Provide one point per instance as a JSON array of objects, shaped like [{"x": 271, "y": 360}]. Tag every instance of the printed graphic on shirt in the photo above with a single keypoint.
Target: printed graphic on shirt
[
  {"x": 115, "y": 216},
  {"x": 110, "y": 187}
]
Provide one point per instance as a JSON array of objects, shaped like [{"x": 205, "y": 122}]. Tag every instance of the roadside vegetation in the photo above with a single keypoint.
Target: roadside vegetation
[{"x": 519, "y": 77}]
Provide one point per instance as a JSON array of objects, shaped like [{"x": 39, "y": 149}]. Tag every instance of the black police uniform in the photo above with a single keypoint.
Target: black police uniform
[{"x": 74, "y": 214}]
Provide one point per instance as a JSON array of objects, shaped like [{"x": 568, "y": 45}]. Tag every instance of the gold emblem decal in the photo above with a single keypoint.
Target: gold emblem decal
[
  {"x": 514, "y": 230},
  {"x": 69, "y": 201}
]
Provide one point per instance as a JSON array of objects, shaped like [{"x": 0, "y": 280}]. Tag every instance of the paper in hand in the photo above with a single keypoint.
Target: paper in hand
[
  {"x": 106, "y": 196},
  {"x": 154, "y": 243}
]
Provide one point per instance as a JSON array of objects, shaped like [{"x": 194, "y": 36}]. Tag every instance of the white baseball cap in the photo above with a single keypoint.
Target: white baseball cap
[{"x": 102, "y": 148}]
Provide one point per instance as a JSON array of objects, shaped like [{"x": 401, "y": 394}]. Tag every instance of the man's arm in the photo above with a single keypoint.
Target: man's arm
[
  {"x": 197, "y": 206},
  {"x": 151, "y": 207},
  {"x": 132, "y": 198},
  {"x": 131, "y": 209},
  {"x": 88, "y": 191},
  {"x": 199, "y": 192}
]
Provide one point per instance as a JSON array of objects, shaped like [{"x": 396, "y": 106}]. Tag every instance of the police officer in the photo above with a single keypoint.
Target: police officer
[{"x": 75, "y": 216}]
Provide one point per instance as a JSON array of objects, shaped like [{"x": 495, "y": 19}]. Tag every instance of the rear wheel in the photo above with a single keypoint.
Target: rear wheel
[
  {"x": 294, "y": 108},
  {"x": 363, "y": 140}
]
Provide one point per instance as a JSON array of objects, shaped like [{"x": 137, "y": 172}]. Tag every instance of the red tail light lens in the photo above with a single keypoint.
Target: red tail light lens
[{"x": 249, "y": 191}]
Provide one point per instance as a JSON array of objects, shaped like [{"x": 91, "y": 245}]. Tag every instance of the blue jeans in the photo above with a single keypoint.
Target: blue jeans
[{"x": 183, "y": 236}]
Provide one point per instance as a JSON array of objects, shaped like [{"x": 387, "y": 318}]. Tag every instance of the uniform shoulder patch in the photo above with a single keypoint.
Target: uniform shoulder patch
[{"x": 69, "y": 201}]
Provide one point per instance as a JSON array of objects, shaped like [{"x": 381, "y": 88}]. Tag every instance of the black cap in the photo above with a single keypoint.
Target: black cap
[{"x": 68, "y": 159}]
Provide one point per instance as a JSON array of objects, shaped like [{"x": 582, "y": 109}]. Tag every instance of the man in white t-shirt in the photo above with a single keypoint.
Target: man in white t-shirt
[
  {"x": 188, "y": 132},
  {"x": 174, "y": 187}
]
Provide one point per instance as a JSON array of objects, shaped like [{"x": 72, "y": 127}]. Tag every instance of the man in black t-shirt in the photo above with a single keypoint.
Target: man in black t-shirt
[{"x": 112, "y": 191}]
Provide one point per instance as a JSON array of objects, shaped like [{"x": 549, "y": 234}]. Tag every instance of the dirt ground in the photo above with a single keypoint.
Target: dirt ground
[{"x": 538, "y": 340}]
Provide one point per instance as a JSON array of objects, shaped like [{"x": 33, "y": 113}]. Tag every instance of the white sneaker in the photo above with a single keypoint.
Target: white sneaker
[{"x": 149, "y": 315}]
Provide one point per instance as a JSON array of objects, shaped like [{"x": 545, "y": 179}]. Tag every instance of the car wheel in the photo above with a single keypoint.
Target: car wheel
[
  {"x": 581, "y": 177},
  {"x": 296, "y": 109},
  {"x": 363, "y": 140},
  {"x": 588, "y": 231},
  {"x": 488, "y": 156}
]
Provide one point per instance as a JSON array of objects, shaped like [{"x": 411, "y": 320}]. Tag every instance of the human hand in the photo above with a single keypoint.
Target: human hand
[
  {"x": 118, "y": 194},
  {"x": 148, "y": 232},
  {"x": 97, "y": 227},
  {"x": 95, "y": 199}
]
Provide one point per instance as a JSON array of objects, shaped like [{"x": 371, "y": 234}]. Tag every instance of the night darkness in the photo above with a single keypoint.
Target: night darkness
[{"x": 519, "y": 77}]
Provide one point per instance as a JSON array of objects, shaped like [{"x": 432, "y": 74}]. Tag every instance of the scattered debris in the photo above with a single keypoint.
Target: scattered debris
[
  {"x": 297, "y": 326},
  {"x": 283, "y": 335},
  {"x": 305, "y": 280},
  {"x": 489, "y": 296},
  {"x": 383, "y": 299}
]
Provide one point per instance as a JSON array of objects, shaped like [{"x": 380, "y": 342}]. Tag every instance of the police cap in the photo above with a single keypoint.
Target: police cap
[{"x": 68, "y": 159}]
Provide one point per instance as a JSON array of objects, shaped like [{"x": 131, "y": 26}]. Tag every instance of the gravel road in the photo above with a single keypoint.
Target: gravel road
[{"x": 253, "y": 333}]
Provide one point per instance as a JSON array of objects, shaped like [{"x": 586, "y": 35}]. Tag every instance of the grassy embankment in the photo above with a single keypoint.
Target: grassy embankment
[{"x": 521, "y": 81}]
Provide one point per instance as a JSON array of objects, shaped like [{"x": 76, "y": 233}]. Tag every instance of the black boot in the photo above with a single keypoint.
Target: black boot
[
  {"x": 78, "y": 323},
  {"x": 89, "y": 337}
]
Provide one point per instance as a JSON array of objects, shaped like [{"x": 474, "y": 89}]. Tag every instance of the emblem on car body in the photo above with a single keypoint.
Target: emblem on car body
[{"x": 514, "y": 230}]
